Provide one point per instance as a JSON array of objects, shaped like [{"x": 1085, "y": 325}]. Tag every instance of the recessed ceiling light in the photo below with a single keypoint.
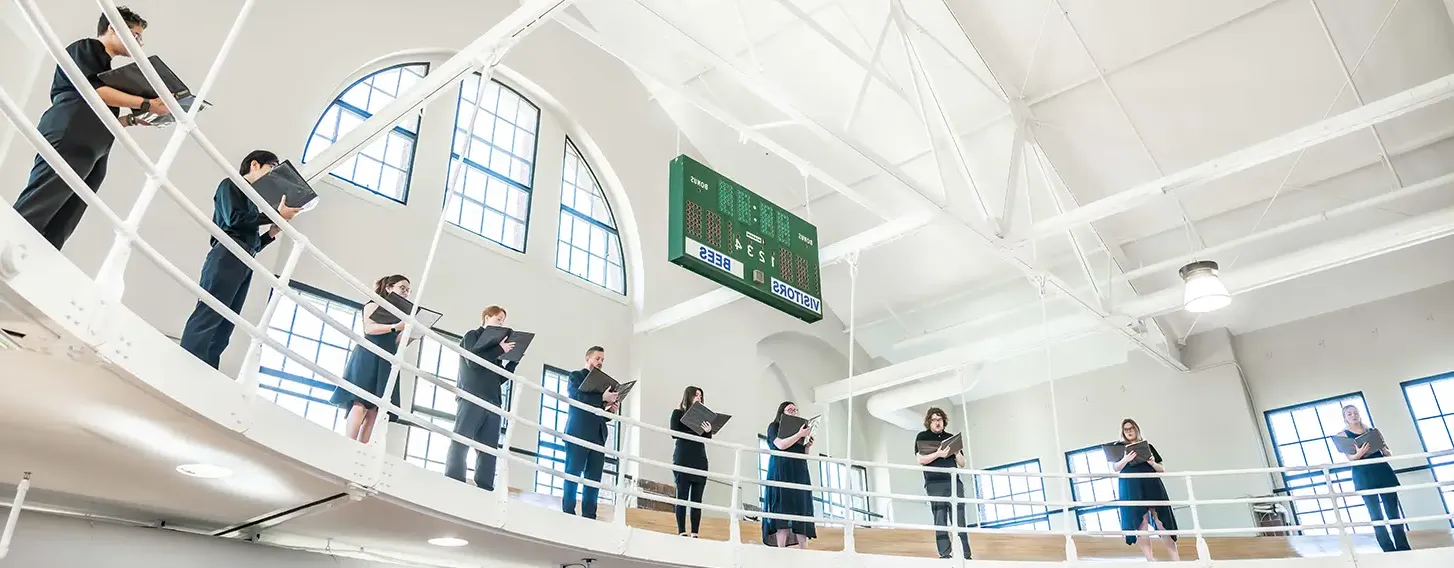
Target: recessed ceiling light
[
  {"x": 204, "y": 470},
  {"x": 448, "y": 541}
]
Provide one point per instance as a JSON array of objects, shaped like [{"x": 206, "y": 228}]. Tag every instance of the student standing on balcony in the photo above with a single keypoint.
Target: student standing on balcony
[
  {"x": 581, "y": 461},
  {"x": 80, "y": 137},
  {"x": 1144, "y": 517},
  {"x": 785, "y": 500},
  {"x": 368, "y": 371},
  {"x": 1375, "y": 476},
  {"x": 693, "y": 454},
  {"x": 475, "y": 422},
  {"x": 941, "y": 483},
  {"x": 224, "y": 276}
]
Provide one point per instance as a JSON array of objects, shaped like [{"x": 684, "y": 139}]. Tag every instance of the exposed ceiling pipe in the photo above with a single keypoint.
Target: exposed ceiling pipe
[
  {"x": 892, "y": 406},
  {"x": 1312, "y": 260},
  {"x": 1354, "y": 120}
]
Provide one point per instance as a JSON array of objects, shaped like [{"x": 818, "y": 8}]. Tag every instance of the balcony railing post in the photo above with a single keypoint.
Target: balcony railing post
[
  {"x": 622, "y": 501},
  {"x": 502, "y": 469},
  {"x": 1204, "y": 553},
  {"x": 1345, "y": 533},
  {"x": 734, "y": 514},
  {"x": 248, "y": 374}
]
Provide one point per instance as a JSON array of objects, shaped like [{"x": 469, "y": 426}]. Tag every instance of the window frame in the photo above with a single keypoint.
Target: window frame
[
  {"x": 1446, "y": 493},
  {"x": 454, "y": 156},
  {"x": 1034, "y": 519},
  {"x": 1097, "y": 512},
  {"x": 403, "y": 198},
  {"x": 612, "y": 467},
  {"x": 860, "y": 509},
  {"x": 1342, "y": 476},
  {"x": 442, "y": 418},
  {"x": 612, "y": 231},
  {"x": 284, "y": 377}
]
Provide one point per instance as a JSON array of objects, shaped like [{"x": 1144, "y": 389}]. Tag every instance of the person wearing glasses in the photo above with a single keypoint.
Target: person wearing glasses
[
  {"x": 1144, "y": 517},
  {"x": 941, "y": 483},
  {"x": 1375, "y": 476},
  {"x": 787, "y": 500},
  {"x": 371, "y": 372},
  {"x": 693, "y": 454},
  {"x": 77, "y": 134},
  {"x": 224, "y": 276}
]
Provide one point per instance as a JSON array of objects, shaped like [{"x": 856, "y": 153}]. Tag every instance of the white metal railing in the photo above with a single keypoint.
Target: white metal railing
[{"x": 523, "y": 20}]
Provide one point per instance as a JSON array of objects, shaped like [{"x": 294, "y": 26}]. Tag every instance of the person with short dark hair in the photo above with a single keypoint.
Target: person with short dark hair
[
  {"x": 224, "y": 276},
  {"x": 489, "y": 342},
  {"x": 581, "y": 461},
  {"x": 942, "y": 483},
  {"x": 80, "y": 137},
  {"x": 693, "y": 454}
]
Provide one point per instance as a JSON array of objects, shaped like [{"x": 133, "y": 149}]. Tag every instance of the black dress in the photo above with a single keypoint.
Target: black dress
[
  {"x": 688, "y": 453},
  {"x": 1144, "y": 489},
  {"x": 783, "y": 500},
  {"x": 369, "y": 372}
]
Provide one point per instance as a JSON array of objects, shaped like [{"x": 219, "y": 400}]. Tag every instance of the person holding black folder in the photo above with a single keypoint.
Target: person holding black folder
[
  {"x": 581, "y": 461},
  {"x": 1143, "y": 517},
  {"x": 1375, "y": 476},
  {"x": 225, "y": 276},
  {"x": 80, "y": 137},
  {"x": 490, "y": 341},
  {"x": 369, "y": 371},
  {"x": 785, "y": 500},
  {"x": 942, "y": 483},
  {"x": 693, "y": 454}
]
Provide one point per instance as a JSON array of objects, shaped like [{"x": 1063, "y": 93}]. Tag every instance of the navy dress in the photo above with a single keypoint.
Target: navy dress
[
  {"x": 787, "y": 501},
  {"x": 1381, "y": 506},
  {"x": 369, "y": 372},
  {"x": 1144, "y": 489}
]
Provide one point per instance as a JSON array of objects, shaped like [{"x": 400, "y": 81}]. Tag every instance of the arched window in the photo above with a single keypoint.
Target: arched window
[
  {"x": 589, "y": 245},
  {"x": 492, "y": 198},
  {"x": 382, "y": 167}
]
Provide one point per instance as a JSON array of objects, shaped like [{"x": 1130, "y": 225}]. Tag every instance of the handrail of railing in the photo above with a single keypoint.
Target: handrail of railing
[{"x": 14, "y": 113}]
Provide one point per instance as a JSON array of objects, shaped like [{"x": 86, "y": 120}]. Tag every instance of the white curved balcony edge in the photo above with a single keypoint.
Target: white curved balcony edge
[{"x": 145, "y": 357}]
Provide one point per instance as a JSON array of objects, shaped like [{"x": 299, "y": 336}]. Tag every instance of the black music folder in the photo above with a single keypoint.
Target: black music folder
[
  {"x": 285, "y": 181},
  {"x": 1115, "y": 451},
  {"x": 699, "y": 413},
  {"x": 955, "y": 444},
  {"x": 426, "y": 316},
  {"x": 598, "y": 381},
  {"x": 1349, "y": 446},
  {"x": 522, "y": 340},
  {"x": 130, "y": 80},
  {"x": 788, "y": 424}
]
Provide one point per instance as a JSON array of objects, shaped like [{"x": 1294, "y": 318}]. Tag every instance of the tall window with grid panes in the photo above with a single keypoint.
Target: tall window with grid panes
[
  {"x": 497, "y": 154},
  {"x": 1088, "y": 490},
  {"x": 286, "y": 382},
  {"x": 839, "y": 505},
  {"x": 384, "y": 166},
  {"x": 589, "y": 245},
  {"x": 1013, "y": 488},
  {"x": 551, "y": 450},
  {"x": 1300, "y": 436},
  {"x": 1431, "y": 402}
]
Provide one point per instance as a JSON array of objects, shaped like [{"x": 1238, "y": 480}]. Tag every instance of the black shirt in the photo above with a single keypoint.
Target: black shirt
[
  {"x": 90, "y": 55},
  {"x": 689, "y": 453},
  {"x": 936, "y": 476},
  {"x": 239, "y": 217}
]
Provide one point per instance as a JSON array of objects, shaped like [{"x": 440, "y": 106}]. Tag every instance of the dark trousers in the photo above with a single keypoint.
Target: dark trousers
[
  {"x": 482, "y": 426},
  {"x": 582, "y": 462},
  {"x": 47, "y": 203},
  {"x": 941, "y": 512},
  {"x": 226, "y": 278},
  {"x": 1389, "y": 510},
  {"x": 690, "y": 490}
]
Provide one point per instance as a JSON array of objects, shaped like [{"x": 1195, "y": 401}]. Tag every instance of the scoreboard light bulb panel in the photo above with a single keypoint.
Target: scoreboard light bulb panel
[{"x": 732, "y": 236}]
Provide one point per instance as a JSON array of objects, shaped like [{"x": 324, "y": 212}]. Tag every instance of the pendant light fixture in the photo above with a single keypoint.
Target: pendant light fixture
[{"x": 1205, "y": 291}]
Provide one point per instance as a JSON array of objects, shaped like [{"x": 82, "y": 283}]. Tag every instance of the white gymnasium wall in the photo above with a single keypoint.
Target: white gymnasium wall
[
  {"x": 1371, "y": 349},
  {"x": 283, "y": 72}
]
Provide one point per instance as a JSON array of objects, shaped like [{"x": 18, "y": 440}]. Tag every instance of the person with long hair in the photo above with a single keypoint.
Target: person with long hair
[
  {"x": 785, "y": 500},
  {"x": 1375, "y": 476},
  {"x": 369, "y": 371},
  {"x": 693, "y": 454},
  {"x": 1144, "y": 517}
]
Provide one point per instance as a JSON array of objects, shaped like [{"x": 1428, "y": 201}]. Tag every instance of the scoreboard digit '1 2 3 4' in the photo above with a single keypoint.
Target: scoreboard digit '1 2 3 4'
[{"x": 733, "y": 236}]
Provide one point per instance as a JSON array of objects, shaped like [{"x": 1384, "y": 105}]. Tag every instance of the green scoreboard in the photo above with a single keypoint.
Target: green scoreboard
[{"x": 733, "y": 236}]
